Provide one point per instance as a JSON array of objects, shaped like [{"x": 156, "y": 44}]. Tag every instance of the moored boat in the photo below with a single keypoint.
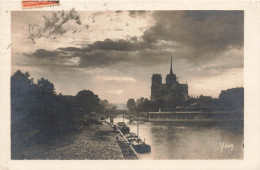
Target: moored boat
[
  {"x": 131, "y": 136},
  {"x": 134, "y": 140},
  {"x": 140, "y": 146},
  {"x": 123, "y": 128}
]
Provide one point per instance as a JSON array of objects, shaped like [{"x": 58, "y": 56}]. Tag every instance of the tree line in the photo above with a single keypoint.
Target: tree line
[
  {"x": 36, "y": 107},
  {"x": 229, "y": 100}
]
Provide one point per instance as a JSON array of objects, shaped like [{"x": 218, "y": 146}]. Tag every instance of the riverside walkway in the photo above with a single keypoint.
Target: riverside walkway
[{"x": 94, "y": 142}]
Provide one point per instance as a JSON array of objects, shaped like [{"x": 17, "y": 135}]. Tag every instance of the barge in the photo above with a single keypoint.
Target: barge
[{"x": 133, "y": 139}]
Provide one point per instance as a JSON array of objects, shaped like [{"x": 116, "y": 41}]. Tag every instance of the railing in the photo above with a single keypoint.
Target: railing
[{"x": 194, "y": 116}]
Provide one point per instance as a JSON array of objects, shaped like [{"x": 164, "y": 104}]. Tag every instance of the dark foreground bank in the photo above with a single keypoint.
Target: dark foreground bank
[{"x": 92, "y": 142}]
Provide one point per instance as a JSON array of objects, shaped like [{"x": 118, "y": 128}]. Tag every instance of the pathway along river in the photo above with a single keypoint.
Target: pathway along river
[{"x": 190, "y": 140}]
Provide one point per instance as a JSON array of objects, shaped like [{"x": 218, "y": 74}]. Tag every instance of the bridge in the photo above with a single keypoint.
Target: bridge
[{"x": 179, "y": 115}]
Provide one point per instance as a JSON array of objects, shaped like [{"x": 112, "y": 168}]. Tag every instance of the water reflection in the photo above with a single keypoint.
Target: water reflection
[{"x": 173, "y": 140}]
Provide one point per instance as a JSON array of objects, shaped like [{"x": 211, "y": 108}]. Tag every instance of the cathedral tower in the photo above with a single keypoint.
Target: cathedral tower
[
  {"x": 156, "y": 85},
  {"x": 170, "y": 78},
  {"x": 171, "y": 91}
]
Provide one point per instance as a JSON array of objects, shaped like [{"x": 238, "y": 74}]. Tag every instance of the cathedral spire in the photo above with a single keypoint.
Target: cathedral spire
[{"x": 171, "y": 66}]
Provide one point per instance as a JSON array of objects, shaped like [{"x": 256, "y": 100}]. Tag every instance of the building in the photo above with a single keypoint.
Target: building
[
  {"x": 171, "y": 91},
  {"x": 232, "y": 99}
]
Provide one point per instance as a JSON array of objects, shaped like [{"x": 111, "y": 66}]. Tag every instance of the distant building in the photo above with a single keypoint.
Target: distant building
[
  {"x": 172, "y": 90},
  {"x": 232, "y": 99}
]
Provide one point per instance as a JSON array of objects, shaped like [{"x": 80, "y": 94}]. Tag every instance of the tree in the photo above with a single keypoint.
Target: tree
[
  {"x": 131, "y": 104},
  {"x": 88, "y": 101},
  {"x": 48, "y": 110},
  {"x": 46, "y": 86},
  {"x": 36, "y": 108},
  {"x": 24, "y": 104},
  {"x": 139, "y": 101},
  {"x": 105, "y": 105},
  {"x": 113, "y": 107},
  {"x": 145, "y": 105}
]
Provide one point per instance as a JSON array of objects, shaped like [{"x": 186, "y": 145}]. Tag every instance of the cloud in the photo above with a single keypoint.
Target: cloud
[
  {"x": 205, "y": 45},
  {"x": 101, "y": 54},
  {"x": 233, "y": 59},
  {"x": 196, "y": 37},
  {"x": 206, "y": 33},
  {"x": 52, "y": 58},
  {"x": 117, "y": 45},
  {"x": 42, "y": 53},
  {"x": 111, "y": 45}
]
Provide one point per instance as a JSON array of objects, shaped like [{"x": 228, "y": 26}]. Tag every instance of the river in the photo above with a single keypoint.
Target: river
[{"x": 172, "y": 140}]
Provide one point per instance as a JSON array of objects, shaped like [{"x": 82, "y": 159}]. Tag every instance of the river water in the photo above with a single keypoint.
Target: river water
[{"x": 193, "y": 140}]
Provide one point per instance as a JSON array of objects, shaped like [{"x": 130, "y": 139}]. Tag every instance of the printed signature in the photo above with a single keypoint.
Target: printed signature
[{"x": 225, "y": 145}]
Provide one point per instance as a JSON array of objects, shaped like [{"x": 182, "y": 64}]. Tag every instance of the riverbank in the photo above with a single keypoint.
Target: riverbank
[
  {"x": 92, "y": 142},
  {"x": 127, "y": 150},
  {"x": 29, "y": 144}
]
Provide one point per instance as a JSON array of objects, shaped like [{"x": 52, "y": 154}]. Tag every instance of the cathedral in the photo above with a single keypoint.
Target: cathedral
[{"x": 171, "y": 91}]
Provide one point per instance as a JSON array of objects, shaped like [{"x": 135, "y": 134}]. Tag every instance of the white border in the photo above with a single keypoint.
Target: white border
[{"x": 251, "y": 78}]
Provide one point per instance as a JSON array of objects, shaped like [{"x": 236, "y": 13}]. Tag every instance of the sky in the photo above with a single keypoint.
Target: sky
[{"x": 115, "y": 53}]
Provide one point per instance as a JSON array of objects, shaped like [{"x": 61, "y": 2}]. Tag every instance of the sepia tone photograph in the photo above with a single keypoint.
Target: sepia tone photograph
[{"x": 127, "y": 85}]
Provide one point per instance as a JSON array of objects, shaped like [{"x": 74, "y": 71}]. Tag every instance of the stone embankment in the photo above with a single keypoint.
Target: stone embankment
[{"x": 127, "y": 150}]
